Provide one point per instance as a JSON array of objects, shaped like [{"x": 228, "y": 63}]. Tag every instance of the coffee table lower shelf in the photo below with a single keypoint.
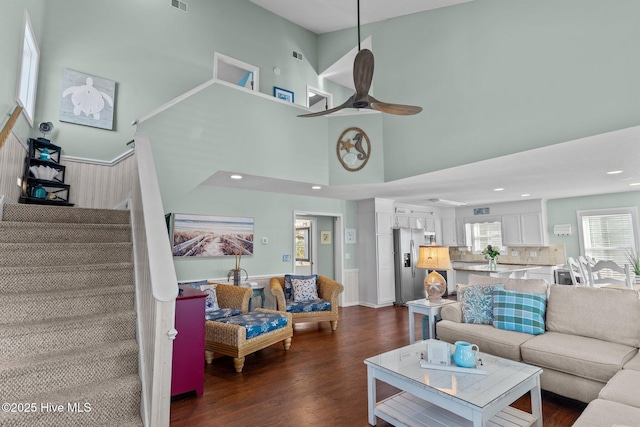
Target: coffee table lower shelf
[{"x": 407, "y": 410}]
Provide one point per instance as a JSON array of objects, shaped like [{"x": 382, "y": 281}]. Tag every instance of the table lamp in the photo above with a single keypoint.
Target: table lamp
[{"x": 435, "y": 258}]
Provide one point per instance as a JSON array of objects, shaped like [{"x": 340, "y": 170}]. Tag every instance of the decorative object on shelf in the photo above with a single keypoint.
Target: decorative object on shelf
[
  {"x": 44, "y": 172},
  {"x": 362, "y": 77},
  {"x": 45, "y": 154},
  {"x": 354, "y": 155},
  {"x": 46, "y": 128},
  {"x": 39, "y": 192},
  {"x": 237, "y": 272},
  {"x": 435, "y": 258},
  {"x": 208, "y": 235},
  {"x": 87, "y": 100},
  {"x": 491, "y": 254},
  {"x": 283, "y": 94}
]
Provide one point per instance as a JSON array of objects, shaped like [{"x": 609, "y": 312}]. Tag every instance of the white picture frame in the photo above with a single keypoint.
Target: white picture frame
[{"x": 350, "y": 235}]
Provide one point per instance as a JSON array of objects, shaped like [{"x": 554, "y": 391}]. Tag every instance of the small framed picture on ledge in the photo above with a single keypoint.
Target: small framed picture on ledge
[{"x": 283, "y": 94}]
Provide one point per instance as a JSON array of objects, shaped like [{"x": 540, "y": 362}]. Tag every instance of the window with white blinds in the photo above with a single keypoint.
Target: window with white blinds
[
  {"x": 482, "y": 234},
  {"x": 608, "y": 234}
]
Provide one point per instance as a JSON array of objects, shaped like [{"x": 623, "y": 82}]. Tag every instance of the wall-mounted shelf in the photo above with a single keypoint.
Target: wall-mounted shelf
[{"x": 48, "y": 190}]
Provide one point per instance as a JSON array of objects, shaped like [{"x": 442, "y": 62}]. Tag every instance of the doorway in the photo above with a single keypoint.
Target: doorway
[
  {"x": 306, "y": 257},
  {"x": 325, "y": 244}
]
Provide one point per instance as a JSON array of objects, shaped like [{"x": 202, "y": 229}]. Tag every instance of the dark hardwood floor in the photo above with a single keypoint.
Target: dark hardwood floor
[{"x": 321, "y": 381}]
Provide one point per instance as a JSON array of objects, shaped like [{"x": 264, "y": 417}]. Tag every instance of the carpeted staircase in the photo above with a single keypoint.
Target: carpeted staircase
[{"x": 68, "y": 353}]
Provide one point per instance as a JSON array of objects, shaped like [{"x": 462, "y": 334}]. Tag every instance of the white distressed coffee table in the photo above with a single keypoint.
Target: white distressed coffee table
[{"x": 433, "y": 397}]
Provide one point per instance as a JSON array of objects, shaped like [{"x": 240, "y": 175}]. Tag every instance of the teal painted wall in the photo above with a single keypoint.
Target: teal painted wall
[
  {"x": 11, "y": 21},
  {"x": 563, "y": 211},
  {"x": 497, "y": 76},
  {"x": 326, "y": 264}
]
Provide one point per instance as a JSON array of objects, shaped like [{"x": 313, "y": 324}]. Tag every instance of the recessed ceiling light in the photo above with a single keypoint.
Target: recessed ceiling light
[
  {"x": 525, "y": 195},
  {"x": 635, "y": 183},
  {"x": 236, "y": 177},
  {"x": 498, "y": 189},
  {"x": 316, "y": 187},
  {"x": 614, "y": 172}
]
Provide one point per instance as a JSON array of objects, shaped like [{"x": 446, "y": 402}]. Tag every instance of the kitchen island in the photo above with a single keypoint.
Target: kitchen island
[{"x": 462, "y": 270}]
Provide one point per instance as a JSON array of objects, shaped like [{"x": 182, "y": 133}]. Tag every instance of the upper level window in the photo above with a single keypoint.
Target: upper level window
[
  {"x": 28, "y": 73},
  {"x": 481, "y": 234},
  {"x": 608, "y": 234},
  {"x": 234, "y": 71}
]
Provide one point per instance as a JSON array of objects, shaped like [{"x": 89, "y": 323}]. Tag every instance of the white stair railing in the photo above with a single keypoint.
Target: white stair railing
[{"x": 156, "y": 288}]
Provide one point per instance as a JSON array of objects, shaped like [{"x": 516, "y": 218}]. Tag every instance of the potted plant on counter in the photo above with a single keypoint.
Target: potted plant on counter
[{"x": 491, "y": 253}]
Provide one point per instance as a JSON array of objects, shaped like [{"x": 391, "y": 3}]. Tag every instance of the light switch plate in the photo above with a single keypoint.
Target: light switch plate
[{"x": 286, "y": 258}]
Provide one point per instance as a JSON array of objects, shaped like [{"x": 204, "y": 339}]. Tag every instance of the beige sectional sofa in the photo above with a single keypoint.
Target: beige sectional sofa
[{"x": 588, "y": 352}]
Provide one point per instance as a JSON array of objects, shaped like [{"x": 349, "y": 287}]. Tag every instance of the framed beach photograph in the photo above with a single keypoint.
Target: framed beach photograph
[
  {"x": 210, "y": 236},
  {"x": 283, "y": 94},
  {"x": 325, "y": 237}
]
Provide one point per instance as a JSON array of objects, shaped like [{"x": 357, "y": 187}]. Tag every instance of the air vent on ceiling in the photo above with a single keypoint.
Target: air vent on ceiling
[
  {"x": 180, "y": 5},
  {"x": 297, "y": 55}
]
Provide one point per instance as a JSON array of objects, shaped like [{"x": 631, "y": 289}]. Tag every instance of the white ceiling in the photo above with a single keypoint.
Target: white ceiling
[
  {"x": 323, "y": 16},
  {"x": 570, "y": 169}
]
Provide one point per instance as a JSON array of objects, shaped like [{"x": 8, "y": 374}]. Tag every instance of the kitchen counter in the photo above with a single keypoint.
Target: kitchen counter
[{"x": 500, "y": 268}]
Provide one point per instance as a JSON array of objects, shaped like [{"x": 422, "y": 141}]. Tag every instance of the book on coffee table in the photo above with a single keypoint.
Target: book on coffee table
[{"x": 424, "y": 364}]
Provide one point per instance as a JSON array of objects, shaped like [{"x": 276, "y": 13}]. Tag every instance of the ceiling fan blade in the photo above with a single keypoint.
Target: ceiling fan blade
[
  {"x": 399, "y": 109},
  {"x": 362, "y": 74},
  {"x": 347, "y": 104}
]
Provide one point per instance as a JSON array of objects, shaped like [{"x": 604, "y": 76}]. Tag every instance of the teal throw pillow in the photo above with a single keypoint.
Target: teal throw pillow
[
  {"x": 519, "y": 311},
  {"x": 477, "y": 303}
]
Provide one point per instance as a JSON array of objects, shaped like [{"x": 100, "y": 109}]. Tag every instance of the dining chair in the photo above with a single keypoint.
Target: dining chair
[
  {"x": 575, "y": 271},
  {"x": 606, "y": 272},
  {"x": 585, "y": 262}
]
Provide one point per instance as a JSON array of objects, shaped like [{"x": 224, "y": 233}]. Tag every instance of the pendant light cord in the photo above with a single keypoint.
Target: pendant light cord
[{"x": 358, "y": 25}]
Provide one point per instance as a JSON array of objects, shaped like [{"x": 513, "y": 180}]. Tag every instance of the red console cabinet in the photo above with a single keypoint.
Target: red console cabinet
[{"x": 188, "y": 347}]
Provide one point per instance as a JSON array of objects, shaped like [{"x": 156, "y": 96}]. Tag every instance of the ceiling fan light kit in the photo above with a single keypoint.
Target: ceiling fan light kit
[{"x": 362, "y": 77}]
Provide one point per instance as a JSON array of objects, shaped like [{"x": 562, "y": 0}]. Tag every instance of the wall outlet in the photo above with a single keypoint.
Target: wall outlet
[
  {"x": 347, "y": 256},
  {"x": 533, "y": 254},
  {"x": 514, "y": 253},
  {"x": 286, "y": 258},
  {"x": 265, "y": 241}
]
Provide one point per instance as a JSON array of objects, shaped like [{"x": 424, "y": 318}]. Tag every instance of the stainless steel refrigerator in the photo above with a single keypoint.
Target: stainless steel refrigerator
[{"x": 409, "y": 279}]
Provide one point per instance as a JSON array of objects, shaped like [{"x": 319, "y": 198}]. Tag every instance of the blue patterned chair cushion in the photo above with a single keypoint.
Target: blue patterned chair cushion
[
  {"x": 222, "y": 313},
  {"x": 257, "y": 323},
  {"x": 308, "y": 306},
  {"x": 211, "y": 303},
  {"x": 519, "y": 311},
  {"x": 304, "y": 290},
  {"x": 288, "y": 286},
  {"x": 477, "y": 303}
]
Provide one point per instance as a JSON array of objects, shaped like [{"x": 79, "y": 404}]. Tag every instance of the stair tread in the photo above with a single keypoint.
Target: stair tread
[
  {"x": 67, "y": 293},
  {"x": 64, "y": 268},
  {"x": 62, "y": 323},
  {"x": 70, "y": 245},
  {"x": 82, "y": 392},
  {"x": 11, "y": 366},
  {"x": 57, "y": 214},
  {"x": 64, "y": 225}
]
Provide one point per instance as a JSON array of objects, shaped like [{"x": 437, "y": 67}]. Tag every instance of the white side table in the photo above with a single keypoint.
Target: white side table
[
  {"x": 257, "y": 291},
  {"x": 431, "y": 309}
]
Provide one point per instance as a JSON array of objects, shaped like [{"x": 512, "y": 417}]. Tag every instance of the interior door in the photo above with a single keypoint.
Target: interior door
[{"x": 305, "y": 229}]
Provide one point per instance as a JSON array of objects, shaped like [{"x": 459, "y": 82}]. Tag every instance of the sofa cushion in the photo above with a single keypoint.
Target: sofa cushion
[
  {"x": 623, "y": 388},
  {"x": 257, "y": 322},
  {"x": 489, "y": 339},
  {"x": 308, "y": 306},
  {"x": 519, "y": 311},
  {"x": 477, "y": 303},
  {"x": 633, "y": 363},
  {"x": 288, "y": 288},
  {"x": 536, "y": 286},
  {"x": 304, "y": 290},
  {"x": 602, "y": 412},
  {"x": 581, "y": 356},
  {"x": 607, "y": 314},
  {"x": 222, "y": 313}
]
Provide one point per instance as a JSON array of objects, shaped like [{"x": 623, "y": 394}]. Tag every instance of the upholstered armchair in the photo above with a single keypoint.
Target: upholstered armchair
[{"x": 324, "y": 309}]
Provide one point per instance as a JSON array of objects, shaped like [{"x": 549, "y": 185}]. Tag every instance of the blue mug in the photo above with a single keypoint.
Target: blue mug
[{"x": 465, "y": 355}]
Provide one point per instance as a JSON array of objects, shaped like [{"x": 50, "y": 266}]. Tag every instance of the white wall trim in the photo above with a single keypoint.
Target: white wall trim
[{"x": 111, "y": 162}]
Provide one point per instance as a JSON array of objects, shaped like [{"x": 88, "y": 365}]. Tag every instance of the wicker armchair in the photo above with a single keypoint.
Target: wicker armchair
[
  {"x": 231, "y": 340},
  {"x": 230, "y": 296},
  {"x": 327, "y": 289}
]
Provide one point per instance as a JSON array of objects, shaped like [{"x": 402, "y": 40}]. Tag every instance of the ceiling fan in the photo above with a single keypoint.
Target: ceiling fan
[{"x": 362, "y": 76}]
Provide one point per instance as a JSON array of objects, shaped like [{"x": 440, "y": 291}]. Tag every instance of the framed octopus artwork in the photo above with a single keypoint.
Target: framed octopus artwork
[{"x": 87, "y": 100}]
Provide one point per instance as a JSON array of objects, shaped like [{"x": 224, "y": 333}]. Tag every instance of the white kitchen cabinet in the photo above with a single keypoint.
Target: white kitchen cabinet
[
  {"x": 523, "y": 229},
  {"x": 448, "y": 232},
  {"x": 461, "y": 234},
  {"x": 384, "y": 223}
]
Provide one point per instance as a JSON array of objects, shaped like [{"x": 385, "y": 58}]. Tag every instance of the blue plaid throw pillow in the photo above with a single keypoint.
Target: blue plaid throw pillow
[{"x": 519, "y": 311}]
